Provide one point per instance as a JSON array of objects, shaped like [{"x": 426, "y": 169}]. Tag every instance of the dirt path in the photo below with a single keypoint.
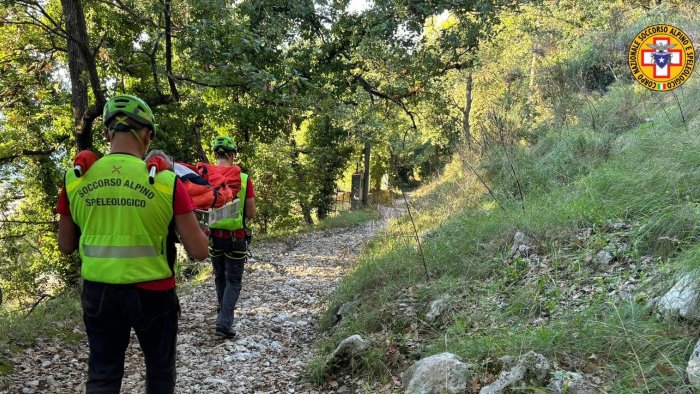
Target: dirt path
[{"x": 284, "y": 287}]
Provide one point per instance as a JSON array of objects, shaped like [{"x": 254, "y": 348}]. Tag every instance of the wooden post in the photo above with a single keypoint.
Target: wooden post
[
  {"x": 365, "y": 180},
  {"x": 356, "y": 192}
]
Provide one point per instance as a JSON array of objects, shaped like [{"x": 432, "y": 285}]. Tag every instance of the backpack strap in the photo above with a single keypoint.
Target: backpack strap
[{"x": 215, "y": 190}]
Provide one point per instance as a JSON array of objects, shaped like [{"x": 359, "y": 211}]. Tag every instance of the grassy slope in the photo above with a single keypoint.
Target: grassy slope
[{"x": 578, "y": 184}]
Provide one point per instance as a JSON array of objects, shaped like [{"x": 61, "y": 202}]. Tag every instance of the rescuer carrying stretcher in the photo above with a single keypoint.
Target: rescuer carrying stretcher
[{"x": 224, "y": 199}]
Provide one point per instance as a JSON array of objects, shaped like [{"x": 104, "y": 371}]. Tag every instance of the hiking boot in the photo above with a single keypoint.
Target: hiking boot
[{"x": 224, "y": 333}]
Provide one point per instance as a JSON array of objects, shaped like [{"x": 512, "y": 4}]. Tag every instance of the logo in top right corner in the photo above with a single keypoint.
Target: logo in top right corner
[{"x": 661, "y": 57}]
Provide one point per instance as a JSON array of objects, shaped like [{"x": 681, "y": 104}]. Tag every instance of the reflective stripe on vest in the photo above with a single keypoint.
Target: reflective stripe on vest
[
  {"x": 124, "y": 220},
  {"x": 237, "y": 222},
  {"x": 122, "y": 252}
]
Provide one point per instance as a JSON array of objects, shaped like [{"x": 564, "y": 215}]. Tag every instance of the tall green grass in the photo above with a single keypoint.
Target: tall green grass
[{"x": 646, "y": 173}]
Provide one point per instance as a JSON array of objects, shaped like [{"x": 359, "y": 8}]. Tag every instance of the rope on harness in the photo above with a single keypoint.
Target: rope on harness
[
  {"x": 236, "y": 255},
  {"x": 215, "y": 253}
]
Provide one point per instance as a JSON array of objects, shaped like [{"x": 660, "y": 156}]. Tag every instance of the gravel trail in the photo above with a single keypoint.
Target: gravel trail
[{"x": 285, "y": 285}]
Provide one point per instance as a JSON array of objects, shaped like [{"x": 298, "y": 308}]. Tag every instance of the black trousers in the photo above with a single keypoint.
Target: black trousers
[
  {"x": 228, "y": 257},
  {"x": 109, "y": 313}
]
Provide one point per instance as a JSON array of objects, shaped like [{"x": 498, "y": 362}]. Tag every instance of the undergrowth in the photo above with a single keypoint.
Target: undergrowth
[
  {"x": 632, "y": 192},
  {"x": 343, "y": 219},
  {"x": 58, "y": 318}
]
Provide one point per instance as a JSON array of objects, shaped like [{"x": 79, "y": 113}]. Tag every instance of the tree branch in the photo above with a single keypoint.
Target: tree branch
[
  {"x": 128, "y": 10},
  {"x": 24, "y": 153},
  {"x": 154, "y": 67},
  {"x": 4, "y": 237},
  {"x": 99, "y": 45},
  {"x": 394, "y": 99},
  {"x": 210, "y": 85},
  {"x": 169, "y": 51},
  {"x": 34, "y": 22},
  {"x": 54, "y": 222},
  {"x": 56, "y": 26}
]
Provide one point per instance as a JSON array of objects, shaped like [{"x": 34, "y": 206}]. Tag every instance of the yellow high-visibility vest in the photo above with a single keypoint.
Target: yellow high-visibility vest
[{"x": 124, "y": 220}]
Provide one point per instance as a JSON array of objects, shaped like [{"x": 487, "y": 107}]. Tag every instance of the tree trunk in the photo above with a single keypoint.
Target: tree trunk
[
  {"x": 365, "y": 180},
  {"x": 299, "y": 177},
  {"x": 169, "y": 51},
  {"x": 75, "y": 25},
  {"x": 378, "y": 181},
  {"x": 82, "y": 69},
  {"x": 246, "y": 133},
  {"x": 201, "y": 155},
  {"x": 302, "y": 196},
  {"x": 466, "y": 127},
  {"x": 533, "y": 71}
]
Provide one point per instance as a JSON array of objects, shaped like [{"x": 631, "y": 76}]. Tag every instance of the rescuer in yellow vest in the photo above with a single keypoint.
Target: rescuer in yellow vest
[
  {"x": 229, "y": 242},
  {"x": 125, "y": 230}
]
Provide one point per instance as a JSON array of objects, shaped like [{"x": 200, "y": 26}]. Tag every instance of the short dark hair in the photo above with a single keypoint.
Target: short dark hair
[{"x": 223, "y": 153}]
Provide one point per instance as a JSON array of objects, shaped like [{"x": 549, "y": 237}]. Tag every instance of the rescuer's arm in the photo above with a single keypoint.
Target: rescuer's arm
[
  {"x": 191, "y": 235},
  {"x": 250, "y": 208},
  {"x": 68, "y": 234},
  {"x": 249, "y": 200}
]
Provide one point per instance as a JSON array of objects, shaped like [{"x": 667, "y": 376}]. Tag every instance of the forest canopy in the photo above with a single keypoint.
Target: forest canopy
[{"x": 309, "y": 90}]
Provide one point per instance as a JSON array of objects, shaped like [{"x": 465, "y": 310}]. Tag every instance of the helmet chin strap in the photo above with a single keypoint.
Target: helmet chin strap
[
  {"x": 132, "y": 131},
  {"x": 121, "y": 124},
  {"x": 143, "y": 146}
]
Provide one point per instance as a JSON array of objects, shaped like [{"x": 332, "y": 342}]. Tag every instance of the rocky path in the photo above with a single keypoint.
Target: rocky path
[{"x": 284, "y": 288}]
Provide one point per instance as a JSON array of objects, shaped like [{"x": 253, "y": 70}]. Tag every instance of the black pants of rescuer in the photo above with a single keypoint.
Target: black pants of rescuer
[
  {"x": 228, "y": 257},
  {"x": 109, "y": 313}
]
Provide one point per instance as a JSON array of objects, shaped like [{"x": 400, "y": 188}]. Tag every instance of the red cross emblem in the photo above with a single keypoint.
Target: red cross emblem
[{"x": 676, "y": 58}]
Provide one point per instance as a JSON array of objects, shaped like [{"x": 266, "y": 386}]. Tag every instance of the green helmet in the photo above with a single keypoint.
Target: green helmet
[
  {"x": 131, "y": 106},
  {"x": 224, "y": 143}
]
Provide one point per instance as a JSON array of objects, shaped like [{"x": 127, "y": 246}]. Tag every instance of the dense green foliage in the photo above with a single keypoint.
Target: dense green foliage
[
  {"x": 581, "y": 159},
  {"x": 303, "y": 86},
  {"x": 531, "y": 100}
]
